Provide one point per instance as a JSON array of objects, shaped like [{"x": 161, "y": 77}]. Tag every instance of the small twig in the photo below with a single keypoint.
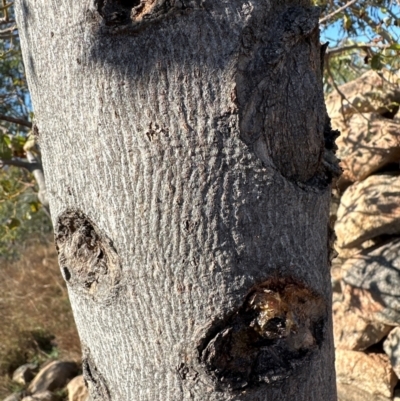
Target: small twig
[
  {"x": 376, "y": 27},
  {"x": 19, "y": 121},
  {"x": 332, "y": 14}
]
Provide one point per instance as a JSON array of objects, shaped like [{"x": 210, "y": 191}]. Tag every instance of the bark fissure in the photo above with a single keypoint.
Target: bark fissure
[{"x": 94, "y": 380}]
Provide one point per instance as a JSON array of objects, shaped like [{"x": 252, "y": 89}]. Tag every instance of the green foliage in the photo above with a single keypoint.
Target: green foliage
[
  {"x": 21, "y": 215},
  {"x": 364, "y": 34}
]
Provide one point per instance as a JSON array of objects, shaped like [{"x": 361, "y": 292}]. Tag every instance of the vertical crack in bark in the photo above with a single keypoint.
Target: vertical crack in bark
[
  {"x": 94, "y": 380},
  {"x": 88, "y": 261},
  {"x": 279, "y": 328}
]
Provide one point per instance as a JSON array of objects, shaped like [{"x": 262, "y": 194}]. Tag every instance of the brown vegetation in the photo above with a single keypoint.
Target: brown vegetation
[{"x": 35, "y": 314}]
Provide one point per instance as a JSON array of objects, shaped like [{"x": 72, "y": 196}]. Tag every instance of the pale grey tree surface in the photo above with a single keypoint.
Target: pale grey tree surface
[{"x": 188, "y": 161}]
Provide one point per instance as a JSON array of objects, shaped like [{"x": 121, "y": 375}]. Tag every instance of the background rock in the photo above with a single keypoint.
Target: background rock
[
  {"x": 368, "y": 143},
  {"x": 392, "y": 348},
  {"x": 368, "y": 209},
  {"x": 352, "y": 331},
  {"x": 25, "y": 373},
  {"x": 53, "y": 376},
  {"x": 77, "y": 390},
  {"x": 351, "y": 393},
  {"x": 371, "y": 373},
  {"x": 372, "y": 92},
  {"x": 371, "y": 283},
  {"x": 14, "y": 397},
  {"x": 42, "y": 396}
]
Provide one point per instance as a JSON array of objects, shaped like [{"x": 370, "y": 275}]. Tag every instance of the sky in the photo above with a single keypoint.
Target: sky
[{"x": 334, "y": 34}]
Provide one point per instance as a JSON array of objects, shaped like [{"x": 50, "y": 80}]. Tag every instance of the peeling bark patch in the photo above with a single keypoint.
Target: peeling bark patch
[
  {"x": 95, "y": 382},
  {"x": 279, "y": 327},
  {"x": 88, "y": 260},
  {"x": 280, "y": 93}
]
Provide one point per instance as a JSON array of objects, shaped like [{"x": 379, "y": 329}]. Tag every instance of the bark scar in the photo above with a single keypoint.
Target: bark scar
[
  {"x": 279, "y": 327},
  {"x": 280, "y": 93},
  {"x": 87, "y": 258}
]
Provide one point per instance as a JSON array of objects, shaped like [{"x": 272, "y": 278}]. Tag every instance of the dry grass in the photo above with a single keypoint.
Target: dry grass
[{"x": 36, "y": 322}]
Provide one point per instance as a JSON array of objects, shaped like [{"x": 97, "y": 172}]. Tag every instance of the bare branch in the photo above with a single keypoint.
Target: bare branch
[
  {"x": 19, "y": 121},
  {"x": 9, "y": 30},
  {"x": 332, "y": 14},
  {"x": 6, "y": 6},
  {"x": 19, "y": 163},
  {"x": 361, "y": 46},
  {"x": 6, "y": 21}
]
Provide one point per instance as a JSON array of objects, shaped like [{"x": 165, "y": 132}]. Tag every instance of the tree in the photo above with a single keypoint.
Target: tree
[
  {"x": 189, "y": 158},
  {"x": 364, "y": 36}
]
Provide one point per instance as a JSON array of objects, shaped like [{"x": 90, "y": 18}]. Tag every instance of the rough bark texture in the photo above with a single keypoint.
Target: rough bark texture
[{"x": 188, "y": 162}]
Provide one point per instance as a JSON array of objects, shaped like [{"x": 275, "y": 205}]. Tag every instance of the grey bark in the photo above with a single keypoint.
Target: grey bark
[{"x": 188, "y": 163}]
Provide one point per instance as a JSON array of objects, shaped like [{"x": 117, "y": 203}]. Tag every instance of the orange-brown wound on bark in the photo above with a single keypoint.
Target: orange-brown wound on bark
[
  {"x": 87, "y": 258},
  {"x": 125, "y": 12},
  {"x": 279, "y": 327}
]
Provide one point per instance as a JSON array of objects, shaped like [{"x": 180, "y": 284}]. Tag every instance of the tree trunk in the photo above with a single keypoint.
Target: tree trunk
[{"x": 188, "y": 161}]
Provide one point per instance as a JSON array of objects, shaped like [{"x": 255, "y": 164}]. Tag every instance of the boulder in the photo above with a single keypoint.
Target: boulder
[
  {"x": 351, "y": 393},
  {"x": 77, "y": 390},
  {"x": 25, "y": 373},
  {"x": 372, "y": 92},
  {"x": 369, "y": 209},
  {"x": 53, "y": 376},
  {"x": 368, "y": 143},
  {"x": 371, "y": 283},
  {"x": 392, "y": 348},
  {"x": 41, "y": 396},
  {"x": 346, "y": 253},
  {"x": 352, "y": 331},
  {"x": 14, "y": 397},
  {"x": 370, "y": 373},
  {"x": 336, "y": 275}
]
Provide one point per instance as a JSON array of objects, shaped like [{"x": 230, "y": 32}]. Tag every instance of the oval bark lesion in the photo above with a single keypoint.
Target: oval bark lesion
[
  {"x": 279, "y": 327},
  {"x": 87, "y": 258},
  {"x": 280, "y": 95}
]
